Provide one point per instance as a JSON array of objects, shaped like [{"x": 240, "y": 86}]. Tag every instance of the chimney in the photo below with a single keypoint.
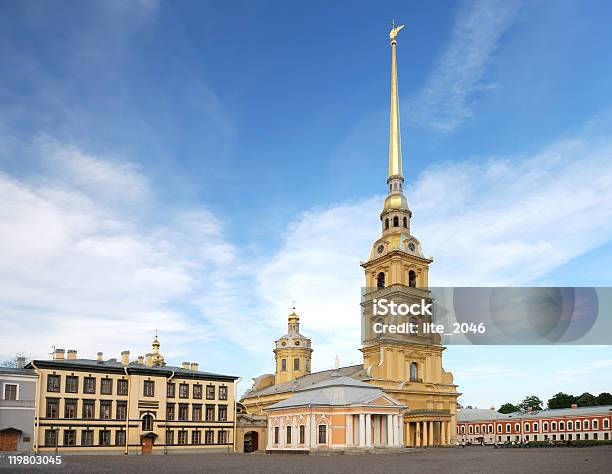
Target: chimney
[
  {"x": 100, "y": 355},
  {"x": 59, "y": 354},
  {"x": 195, "y": 366},
  {"x": 125, "y": 357},
  {"x": 21, "y": 362},
  {"x": 574, "y": 406},
  {"x": 72, "y": 354},
  {"x": 149, "y": 362},
  {"x": 185, "y": 365}
]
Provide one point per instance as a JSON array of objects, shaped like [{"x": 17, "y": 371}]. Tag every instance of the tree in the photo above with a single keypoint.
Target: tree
[
  {"x": 586, "y": 400},
  {"x": 604, "y": 398},
  {"x": 532, "y": 402},
  {"x": 508, "y": 408},
  {"x": 561, "y": 400}
]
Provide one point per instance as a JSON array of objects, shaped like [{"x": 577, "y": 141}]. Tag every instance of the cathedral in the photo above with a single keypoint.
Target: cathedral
[{"x": 407, "y": 368}]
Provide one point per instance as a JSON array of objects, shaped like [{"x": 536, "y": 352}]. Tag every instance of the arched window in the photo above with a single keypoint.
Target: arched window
[
  {"x": 414, "y": 326},
  {"x": 386, "y": 224},
  {"x": 396, "y": 221},
  {"x": 296, "y": 364},
  {"x": 414, "y": 371},
  {"x": 147, "y": 423},
  {"x": 380, "y": 280},
  {"x": 406, "y": 222},
  {"x": 412, "y": 279}
]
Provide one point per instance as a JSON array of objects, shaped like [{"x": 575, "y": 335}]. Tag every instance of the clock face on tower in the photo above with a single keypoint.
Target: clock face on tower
[
  {"x": 380, "y": 248},
  {"x": 411, "y": 246}
]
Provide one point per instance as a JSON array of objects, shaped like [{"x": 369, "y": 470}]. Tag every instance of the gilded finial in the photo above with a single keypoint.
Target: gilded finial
[{"x": 394, "y": 31}]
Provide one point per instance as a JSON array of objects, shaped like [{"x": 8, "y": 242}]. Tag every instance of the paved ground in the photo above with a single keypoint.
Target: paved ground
[{"x": 469, "y": 460}]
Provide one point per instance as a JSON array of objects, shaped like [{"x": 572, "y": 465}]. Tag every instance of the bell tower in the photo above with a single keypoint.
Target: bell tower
[
  {"x": 396, "y": 270},
  {"x": 292, "y": 352}
]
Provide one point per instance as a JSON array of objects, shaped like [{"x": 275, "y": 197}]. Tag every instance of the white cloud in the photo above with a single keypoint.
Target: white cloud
[
  {"x": 80, "y": 269},
  {"x": 442, "y": 104}
]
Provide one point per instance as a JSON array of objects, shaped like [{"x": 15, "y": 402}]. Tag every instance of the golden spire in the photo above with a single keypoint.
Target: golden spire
[{"x": 395, "y": 142}]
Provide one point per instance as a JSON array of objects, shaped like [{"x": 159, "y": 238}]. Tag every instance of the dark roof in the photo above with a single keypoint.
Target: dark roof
[
  {"x": 16, "y": 371},
  {"x": 305, "y": 381},
  {"x": 113, "y": 365}
]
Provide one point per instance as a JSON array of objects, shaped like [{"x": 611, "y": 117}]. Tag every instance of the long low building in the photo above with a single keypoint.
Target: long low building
[{"x": 488, "y": 426}]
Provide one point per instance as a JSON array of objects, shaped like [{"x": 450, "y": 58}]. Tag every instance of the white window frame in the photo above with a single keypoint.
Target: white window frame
[{"x": 4, "y": 390}]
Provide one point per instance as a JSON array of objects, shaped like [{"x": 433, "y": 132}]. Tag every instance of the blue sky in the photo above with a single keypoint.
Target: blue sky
[{"x": 195, "y": 166}]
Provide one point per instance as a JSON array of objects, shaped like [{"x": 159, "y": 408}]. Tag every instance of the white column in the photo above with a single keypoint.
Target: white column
[
  {"x": 368, "y": 430},
  {"x": 390, "y": 430},
  {"x": 443, "y": 433},
  {"x": 425, "y": 437},
  {"x": 362, "y": 429},
  {"x": 349, "y": 430},
  {"x": 313, "y": 432},
  {"x": 431, "y": 433},
  {"x": 295, "y": 434},
  {"x": 307, "y": 433}
]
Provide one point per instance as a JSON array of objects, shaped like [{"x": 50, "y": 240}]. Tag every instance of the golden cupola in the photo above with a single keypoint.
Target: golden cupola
[{"x": 292, "y": 352}]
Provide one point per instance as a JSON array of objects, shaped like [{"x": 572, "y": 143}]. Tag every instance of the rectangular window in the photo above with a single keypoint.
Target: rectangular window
[
  {"x": 169, "y": 437},
  {"x": 595, "y": 424},
  {"x": 69, "y": 437},
  {"x": 606, "y": 423},
  {"x": 296, "y": 364},
  {"x": 594, "y": 435},
  {"x": 105, "y": 438},
  {"x": 171, "y": 390},
  {"x": 106, "y": 386},
  {"x": 70, "y": 408},
  {"x": 195, "y": 437},
  {"x": 210, "y": 392},
  {"x": 283, "y": 365},
  {"x": 302, "y": 434},
  {"x": 184, "y": 390},
  {"x": 89, "y": 408},
  {"x": 51, "y": 438},
  {"x": 223, "y": 392},
  {"x": 197, "y": 391},
  {"x": 10, "y": 391},
  {"x": 210, "y": 412},
  {"x": 535, "y": 427},
  {"x": 526, "y": 426},
  {"x": 197, "y": 413},
  {"x": 72, "y": 384},
  {"x": 52, "y": 408},
  {"x": 578, "y": 425},
  {"x": 545, "y": 426},
  {"x": 53, "y": 383},
  {"x": 121, "y": 410},
  {"x": 554, "y": 437},
  {"x": 276, "y": 435},
  {"x": 208, "y": 437},
  {"x": 561, "y": 425},
  {"x": 507, "y": 428},
  {"x": 569, "y": 425},
  {"x": 322, "y": 434},
  {"x": 120, "y": 438},
  {"x": 122, "y": 387},
  {"x": 170, "y": 411},
  {"x": 105, "y": 409},
  {"x": 517, "y": 427},
  {"x": 87, "y": 438},
  {"x": 553, "y": 426},
  {"x": 222, "y": 412},
  {"x": 586, "y": 424},
  {"x": 288, "y": 440},
  {"x": 222, "y": 437},
  {"x": 149, "y": 388},
  {"x": 183, "y": 413},
  {"x": 182, "y": 437},
  {"x": 89, "y": 385}
]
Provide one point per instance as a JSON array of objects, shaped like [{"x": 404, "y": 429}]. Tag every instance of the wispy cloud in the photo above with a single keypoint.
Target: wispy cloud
[{"x": 443, "y": 103}]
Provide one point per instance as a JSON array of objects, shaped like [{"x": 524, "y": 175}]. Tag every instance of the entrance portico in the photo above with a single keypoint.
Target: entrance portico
[{"x": 427, "y": 428}]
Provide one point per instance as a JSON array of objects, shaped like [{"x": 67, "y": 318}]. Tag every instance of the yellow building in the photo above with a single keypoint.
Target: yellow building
[
  {"x": 140, "y": 406},
  {"x": 407, "y": 367}
]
